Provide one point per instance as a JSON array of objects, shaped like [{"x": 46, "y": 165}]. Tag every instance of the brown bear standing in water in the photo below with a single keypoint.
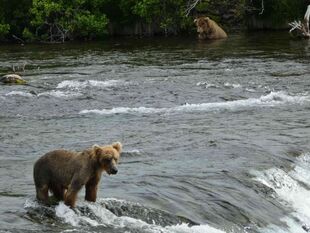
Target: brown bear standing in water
[
  {"x": 208, "y": 29},
  {"x": 64, "y": 173}
]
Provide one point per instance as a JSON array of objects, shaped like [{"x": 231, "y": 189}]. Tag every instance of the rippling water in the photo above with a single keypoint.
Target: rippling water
[{"x": 215, "y": 134}]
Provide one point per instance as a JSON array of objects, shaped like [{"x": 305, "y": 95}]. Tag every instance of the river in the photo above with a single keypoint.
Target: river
[{"x": 216, "y": 134}]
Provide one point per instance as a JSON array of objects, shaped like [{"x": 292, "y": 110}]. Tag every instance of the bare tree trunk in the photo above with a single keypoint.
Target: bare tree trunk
[{"x": 191, "y": 4}]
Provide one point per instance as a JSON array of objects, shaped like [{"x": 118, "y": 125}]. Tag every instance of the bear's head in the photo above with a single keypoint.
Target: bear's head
[
  {"x": 203, "y": 25},
  {"x": 107, "y": 157}
]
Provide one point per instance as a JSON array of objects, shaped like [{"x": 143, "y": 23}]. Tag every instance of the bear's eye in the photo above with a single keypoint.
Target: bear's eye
[{"x": 106, "y": 160}]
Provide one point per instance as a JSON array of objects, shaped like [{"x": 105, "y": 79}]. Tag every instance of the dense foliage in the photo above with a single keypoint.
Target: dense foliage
[
  {"x": 56, "y": 20},
  {"x": 60, "y": 20}
]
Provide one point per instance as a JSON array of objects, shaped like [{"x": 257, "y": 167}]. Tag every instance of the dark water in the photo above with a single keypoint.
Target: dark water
[{"x": 215, "y": 134}]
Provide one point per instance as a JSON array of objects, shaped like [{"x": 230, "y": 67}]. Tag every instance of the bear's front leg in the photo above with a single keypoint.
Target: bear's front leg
[
  {"x": 91, "y": 188},
  {"x": 42, "y": 194},
  {"x": 70, "y": 198},
  {"x": 71, "y": 194},
  {"x": 91, "y": 193}
]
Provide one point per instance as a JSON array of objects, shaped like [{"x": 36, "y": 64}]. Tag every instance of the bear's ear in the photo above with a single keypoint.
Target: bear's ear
[
  {"x": 206, "y": 18},
  {"x": 195, "y": 20},
  {"x": 117, "y": 146},
  {"x": 97, "y": 149}
]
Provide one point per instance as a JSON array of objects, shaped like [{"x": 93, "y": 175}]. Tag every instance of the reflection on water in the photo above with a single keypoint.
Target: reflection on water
[{"x": 208, "y": 130}]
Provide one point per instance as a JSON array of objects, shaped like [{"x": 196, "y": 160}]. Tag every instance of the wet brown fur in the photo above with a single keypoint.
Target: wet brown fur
[
  {"x": 64, "y": 172},
  {"x": 209, "y": 29}
]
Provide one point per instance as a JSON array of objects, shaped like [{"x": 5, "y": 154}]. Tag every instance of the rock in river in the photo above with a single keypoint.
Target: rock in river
[{"x": 12, "y": 79}]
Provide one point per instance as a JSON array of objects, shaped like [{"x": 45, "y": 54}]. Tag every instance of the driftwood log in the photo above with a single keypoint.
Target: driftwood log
[{"x": 301, "y": 28}]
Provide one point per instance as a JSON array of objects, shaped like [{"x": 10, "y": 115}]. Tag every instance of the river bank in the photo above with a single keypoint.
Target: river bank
[{"x": 58, "y": 21}]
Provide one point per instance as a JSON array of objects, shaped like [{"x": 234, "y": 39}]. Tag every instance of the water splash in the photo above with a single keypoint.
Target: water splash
[
  {"x": 66, "y": 213},
  {"x": 60, "y": 94},
  {"x": 95, "y": 215},
  {"x": 52, "y": 93},
  {"x": 232, "y": 85},
  {"x": 292, "y": 190},
  {"x": 207, "y": 85},
  {"x": 212, "y": 85},
  {"x": 270, "y": 100},
  {"x": 76, "y": 85},
  {"x": 19, "y": 93}
]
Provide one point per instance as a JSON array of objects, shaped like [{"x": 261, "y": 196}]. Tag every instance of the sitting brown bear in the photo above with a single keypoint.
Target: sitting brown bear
[
  {"x": 64, "y": 173},
  {"x": 208, "y": 29}
]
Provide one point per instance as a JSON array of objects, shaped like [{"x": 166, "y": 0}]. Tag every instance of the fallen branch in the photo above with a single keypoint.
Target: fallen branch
[
  {"x": 301, "y": 28},
  {"x": 19, "y": 39}
]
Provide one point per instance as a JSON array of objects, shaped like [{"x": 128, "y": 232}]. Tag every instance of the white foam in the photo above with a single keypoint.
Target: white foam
[
  {"x": 184, "y": 228},
  {"x": 272, "y": 99},
  {"x": 290, "y": 192},
  {"x": 53, "y": 93},
  {"x": 72, "y": 84},
  {"x": 232, "y": 85},
  {"x": 60, "y": 94},
  {"x": 301, "y": 170},
  {"x": 134, "y": 151},
  {"x": 19, "y": 93},
  {"x": 227, "y": 84},
  {"x": 304, "y": 158},
  {"x": 284, "y": 185},
  {"x": 250, "y": 89},
  {"x": 70, "y": 216},
  {"x": 29, "y": 203},
  {"x": 126, "y": 110},
  {"x": 206, "y": 85},
  {"x": 64, "y": 212},
  {"x": 292, "y": 227}
]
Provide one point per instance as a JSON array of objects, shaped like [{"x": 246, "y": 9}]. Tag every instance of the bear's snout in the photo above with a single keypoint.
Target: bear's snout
[{"x": 113, "y": 170}]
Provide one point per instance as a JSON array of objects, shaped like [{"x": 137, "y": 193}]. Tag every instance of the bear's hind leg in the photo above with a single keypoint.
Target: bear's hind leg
[
  {"x": 42, "y": 194},
  {"x": 58, "y": 191}
]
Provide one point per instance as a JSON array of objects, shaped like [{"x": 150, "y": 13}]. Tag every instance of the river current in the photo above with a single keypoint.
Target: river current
[{"x": 216, "y": 135}]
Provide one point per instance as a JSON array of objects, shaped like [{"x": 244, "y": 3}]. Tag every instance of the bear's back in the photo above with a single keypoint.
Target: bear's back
[
  {"x": 57, "y": 157},
  {"x": 59, "y": 165},
  {"x": 218, "y": 32}
]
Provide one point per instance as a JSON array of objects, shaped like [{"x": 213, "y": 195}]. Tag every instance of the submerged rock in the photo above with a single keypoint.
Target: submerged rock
[
  {"x": 12, "y": 79},
  {"x": 146, "y": 214}
]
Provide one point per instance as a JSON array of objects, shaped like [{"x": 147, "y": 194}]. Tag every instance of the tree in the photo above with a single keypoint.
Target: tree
[
  {"x": 170, "y": 15},
  {"x": 13, "y": 17},
  {"x": 59, "y": 20},
  {"x": 4, "y": 30}
]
